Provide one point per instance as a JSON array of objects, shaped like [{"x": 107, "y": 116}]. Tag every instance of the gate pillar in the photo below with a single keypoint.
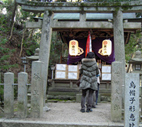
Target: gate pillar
[
  {"x": 45, "y": 43},
  {"x": 119, "y": 49}
]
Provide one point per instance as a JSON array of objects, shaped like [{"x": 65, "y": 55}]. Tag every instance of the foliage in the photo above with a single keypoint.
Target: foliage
[
  {"x": 135, "y": 43},
  {"x": 1, "y": 93},
  {"x": 3, "y": 24},
  {"x": 55, "y": 49},
  {"x": 5, "y": 55},
  {"x": 6, "y": 50},
  {"x": 23, "y": 16},
  {"x": 30, "y": 48},
  {"x": 110, "y": 0},
  {"x": 1, "y": 90}
]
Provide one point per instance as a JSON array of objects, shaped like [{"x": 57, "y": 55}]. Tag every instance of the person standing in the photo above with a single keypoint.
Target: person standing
[
  {"x": 98, "y": 83},
  {"x": 88, "y": 81},
  {"x": 96, "y": 93}
]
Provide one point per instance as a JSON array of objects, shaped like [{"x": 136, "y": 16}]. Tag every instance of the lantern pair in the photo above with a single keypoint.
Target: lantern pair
[{"x": 104, "y": 51}]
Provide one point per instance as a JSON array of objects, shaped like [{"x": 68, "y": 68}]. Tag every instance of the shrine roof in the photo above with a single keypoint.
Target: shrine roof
[
  {"x": 94, "y": 16},
  {"x": 70, "y": 29},
  {"x": 91, "y": 16}
]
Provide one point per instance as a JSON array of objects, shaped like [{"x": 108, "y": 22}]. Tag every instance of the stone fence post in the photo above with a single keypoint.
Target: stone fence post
[
  {"x": 37, "y": 90},
  {"x": 22, "y": 94},
  {"x": 9, "y": 94},
  {"x": 116, "y": 94}
]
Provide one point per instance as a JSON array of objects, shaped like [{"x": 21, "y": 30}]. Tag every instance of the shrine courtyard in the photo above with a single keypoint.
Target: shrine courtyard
[{"x": 67, "y": 114}]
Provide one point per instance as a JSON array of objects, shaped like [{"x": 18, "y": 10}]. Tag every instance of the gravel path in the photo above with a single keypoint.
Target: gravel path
[{"x": 70, "y": 113}]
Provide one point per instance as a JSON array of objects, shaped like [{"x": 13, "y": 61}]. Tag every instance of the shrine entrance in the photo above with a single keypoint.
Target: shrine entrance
[{"x": 116, "y": 25}]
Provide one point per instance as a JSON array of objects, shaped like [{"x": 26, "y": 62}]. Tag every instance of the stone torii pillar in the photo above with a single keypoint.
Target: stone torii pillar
[
  {"x": 118, "y": 75},
  {"x": 45, "y": 43},
  {"x": 119, "y": 46}
]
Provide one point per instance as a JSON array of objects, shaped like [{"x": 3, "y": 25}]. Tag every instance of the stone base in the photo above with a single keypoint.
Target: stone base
[
  {"x": 60, "y": 97},
  {"x": 17, "y": 123},
  {"x": 63, "y": 90},
  {"x": 78, "y": 97}
]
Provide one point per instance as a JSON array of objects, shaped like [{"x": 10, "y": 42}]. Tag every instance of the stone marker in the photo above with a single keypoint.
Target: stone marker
[
  {"x": 116, "y": 94},
  {"x": 132, "y": 100},
  {"x": 37, "y": 90},
  {"x": 22, "y": 94},
  {"x": 8, "y": 95}
]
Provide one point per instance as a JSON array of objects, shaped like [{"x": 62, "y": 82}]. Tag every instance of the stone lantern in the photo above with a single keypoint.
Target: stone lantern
[
  {"x": 137, "y": 64},
  {"x": 35, "y": 57}
]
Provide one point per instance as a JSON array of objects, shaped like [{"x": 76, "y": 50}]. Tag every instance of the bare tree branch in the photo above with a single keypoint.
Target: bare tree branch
[
  {"x": 22, "y": 43},
  {"x": 12, "y": 22}
]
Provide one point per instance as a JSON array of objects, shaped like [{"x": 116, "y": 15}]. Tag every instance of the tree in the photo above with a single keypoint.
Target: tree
[{"x": 135, "y": 43}]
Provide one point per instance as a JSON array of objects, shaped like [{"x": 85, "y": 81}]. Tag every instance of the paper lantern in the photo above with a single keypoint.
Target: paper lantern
[
  {"x": 106, "y": 48},
  {"x": 73, "y": 47}
]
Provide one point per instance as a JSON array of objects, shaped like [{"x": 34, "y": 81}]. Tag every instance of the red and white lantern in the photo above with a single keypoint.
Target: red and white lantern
[
  {"x": 73, "y": 47},
  {"x": 106, "y": 48}
]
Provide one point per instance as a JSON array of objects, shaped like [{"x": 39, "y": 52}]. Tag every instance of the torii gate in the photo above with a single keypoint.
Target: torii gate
[{"x": 49, "y": 24}]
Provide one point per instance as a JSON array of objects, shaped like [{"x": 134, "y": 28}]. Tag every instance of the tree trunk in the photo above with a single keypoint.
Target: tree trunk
[
  {"x": 22, "y": 43},
  {"x": 12, "y": 19}
]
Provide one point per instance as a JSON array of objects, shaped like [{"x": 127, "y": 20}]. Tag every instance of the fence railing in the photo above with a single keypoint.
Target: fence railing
[
  {"x": 22, "y": 102},
  {"x": 15, "y": 84}
]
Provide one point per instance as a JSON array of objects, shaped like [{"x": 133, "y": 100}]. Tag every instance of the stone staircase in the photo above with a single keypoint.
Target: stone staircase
[{"x": 68, "y": 90}]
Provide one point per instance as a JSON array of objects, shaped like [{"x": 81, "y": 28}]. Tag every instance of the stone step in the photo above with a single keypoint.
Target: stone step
[{"x": 18, "y": 123}]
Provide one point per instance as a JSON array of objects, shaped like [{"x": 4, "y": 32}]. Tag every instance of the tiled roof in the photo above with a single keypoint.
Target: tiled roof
[{"x": 93, "y": 16}]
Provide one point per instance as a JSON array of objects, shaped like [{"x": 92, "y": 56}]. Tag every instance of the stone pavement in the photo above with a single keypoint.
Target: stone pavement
[
  {"x": 67, "y": 115},
  {"x": 70, "y": 112}
]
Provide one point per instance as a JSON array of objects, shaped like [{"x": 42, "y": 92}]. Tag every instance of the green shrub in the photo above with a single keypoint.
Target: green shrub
[{"x": 1, "y": 93}]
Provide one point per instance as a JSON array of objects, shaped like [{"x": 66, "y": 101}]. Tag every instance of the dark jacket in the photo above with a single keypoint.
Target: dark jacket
[{"x": 89, "y": 71}]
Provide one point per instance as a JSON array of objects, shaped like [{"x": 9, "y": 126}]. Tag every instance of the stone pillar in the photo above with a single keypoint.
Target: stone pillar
[
  {"x": 8, "y": 94},
  {"x": 119, "y": 46},
  {"x": 132, "y": 100},
  {"x": 45, "y": 43},
  {"x": 82, "y": 17},
  {"x": 116, "y": 92},
  {"x": 22, "y": 94},
  {"x": 118, "y": 36},
  {"x": 37, "y": 90},
  {"x": 141, "y": 91}
]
